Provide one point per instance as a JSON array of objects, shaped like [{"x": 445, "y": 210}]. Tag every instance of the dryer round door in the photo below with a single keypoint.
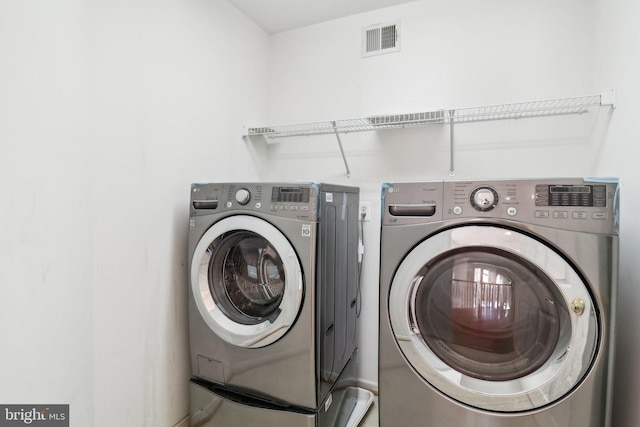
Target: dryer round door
[
  {"x": 493, "y": 318},
  {"x": 246, "y": 280}
]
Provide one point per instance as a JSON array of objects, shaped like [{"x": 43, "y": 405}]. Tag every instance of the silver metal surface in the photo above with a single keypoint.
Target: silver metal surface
[
  {"x": 214, "y": 406},
  {"x": 575, "y": 246},
  {"x": 294, "y": 353}
]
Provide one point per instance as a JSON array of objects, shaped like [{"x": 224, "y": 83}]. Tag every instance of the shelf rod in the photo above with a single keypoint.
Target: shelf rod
[
  {"x": 452, "y": 169},
  {"x": 344, "y": 158}
]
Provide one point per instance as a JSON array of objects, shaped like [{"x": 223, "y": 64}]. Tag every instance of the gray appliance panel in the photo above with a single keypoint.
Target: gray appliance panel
[
  {"x": 303, "y": 365},
  {"x": 337, "y": 283},
  {"x": 266, "y": 370},
  {"x": 212, "y": 405},
  {"x": 405, "y": 399},
  {"x": 588, "y": 205}
]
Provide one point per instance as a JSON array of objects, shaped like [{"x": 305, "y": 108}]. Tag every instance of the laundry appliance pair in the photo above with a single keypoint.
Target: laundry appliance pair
[
  {"x": 272, "y": 303},
  {"x": 497, "y": 303}
]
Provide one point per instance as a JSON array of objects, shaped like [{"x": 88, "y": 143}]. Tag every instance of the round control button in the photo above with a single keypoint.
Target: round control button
[
  {"x": 484, "y": 198},
  {"x": 229, "y": 204},
  {"x": 511, "y": 211},
  {"x": 457, "y": 210},
  {"x": 243, "y": 196},
  {"x": 258, "y": 205}
]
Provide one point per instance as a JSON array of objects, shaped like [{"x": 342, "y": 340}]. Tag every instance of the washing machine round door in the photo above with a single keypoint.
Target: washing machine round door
[
  {"x": 246, "y": 281},
  {"x": 493, "y": 318}
]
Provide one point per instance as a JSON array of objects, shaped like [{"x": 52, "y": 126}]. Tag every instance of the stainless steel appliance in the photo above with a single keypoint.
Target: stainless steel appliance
[
  {"x": 272, "y": 307},
  {"x": 498, "y": 302}
]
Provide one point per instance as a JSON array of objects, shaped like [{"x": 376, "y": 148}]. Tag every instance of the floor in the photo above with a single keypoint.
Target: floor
[{"x": 371, "y": 418}]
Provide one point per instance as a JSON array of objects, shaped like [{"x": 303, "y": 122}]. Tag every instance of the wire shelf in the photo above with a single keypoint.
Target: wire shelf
[
  {"x": 451, "y": 116},
  {"x": 350, "y": 125},
  {"x": 540, "y": 108},
  {"x": 548, "y": 107}
]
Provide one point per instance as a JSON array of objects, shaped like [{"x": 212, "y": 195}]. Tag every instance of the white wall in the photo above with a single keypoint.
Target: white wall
[
  {"x": 617, "y": 64},
  {"x": 454, "y": 53},
  {"x": 45, "y": 221},
  {"x": 108, "y": 111}
]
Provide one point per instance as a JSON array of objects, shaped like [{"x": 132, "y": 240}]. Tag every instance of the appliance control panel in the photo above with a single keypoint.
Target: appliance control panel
[
  {"x": 589, "y": 205},
  {"x": 291, "y": 201}
]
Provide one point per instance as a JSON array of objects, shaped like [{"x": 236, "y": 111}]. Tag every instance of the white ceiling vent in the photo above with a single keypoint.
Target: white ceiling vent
[{"x": 381, "y": 38}]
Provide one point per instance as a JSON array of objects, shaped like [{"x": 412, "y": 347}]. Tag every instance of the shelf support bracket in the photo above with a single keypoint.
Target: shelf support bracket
[
  {"x": 344, "y": 158},
  {"x": 452, "y": 169},
  {"x": 608, "y": 98}
]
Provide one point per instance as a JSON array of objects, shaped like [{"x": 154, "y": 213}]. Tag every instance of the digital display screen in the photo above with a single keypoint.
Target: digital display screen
[
  {"x": 290, "y": 190},
  {"x": 571, "y": 195},
  {"x": 290, "y": 194},
  {"x": 570, "y": 189}
]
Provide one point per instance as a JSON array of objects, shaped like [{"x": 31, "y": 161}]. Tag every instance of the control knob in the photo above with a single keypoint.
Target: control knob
[
  {"x": 484, "y": 198},
  {"x": 243, "y": 196}
]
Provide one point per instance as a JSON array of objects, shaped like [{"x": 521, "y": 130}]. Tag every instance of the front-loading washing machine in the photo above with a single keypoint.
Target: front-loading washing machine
[
  {"x": 497, "y": 302},
  {"x": 272, "y": 305}
]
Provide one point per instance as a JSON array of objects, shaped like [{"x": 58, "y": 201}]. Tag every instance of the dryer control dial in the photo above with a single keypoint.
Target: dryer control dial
[
  {"x": 243, "y": 196},
  {"x": 484, "y": 198}
]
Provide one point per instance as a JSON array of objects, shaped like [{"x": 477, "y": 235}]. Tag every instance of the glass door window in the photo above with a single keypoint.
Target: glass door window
[
  {"x": 246, "y": 276},
  {"x": 488, "y": 314}
]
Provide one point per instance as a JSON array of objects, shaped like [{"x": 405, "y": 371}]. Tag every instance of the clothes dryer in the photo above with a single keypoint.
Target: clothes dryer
[
  {"x": 498, "y": 302},
  {"x": 272, "y": 306}
]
